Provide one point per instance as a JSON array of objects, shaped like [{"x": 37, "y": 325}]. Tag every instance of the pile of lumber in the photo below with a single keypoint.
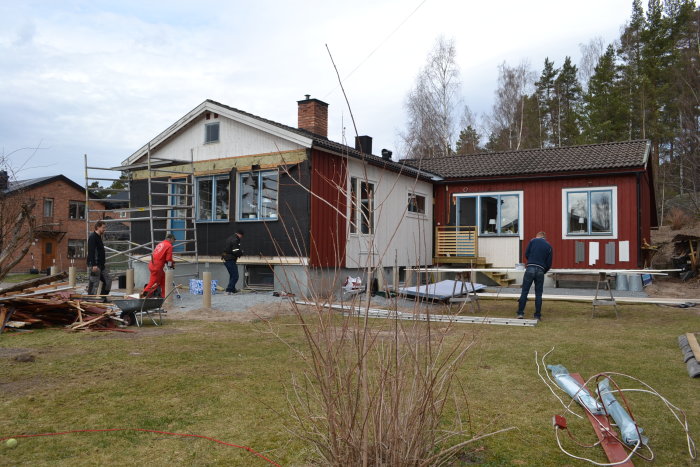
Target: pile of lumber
[{"x": 38, "y": 303}]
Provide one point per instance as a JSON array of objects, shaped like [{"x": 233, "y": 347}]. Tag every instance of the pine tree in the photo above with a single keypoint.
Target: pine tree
[
  {"x": 630, "y": 55},
  {"x": 604, "y": 103},
  {"x": 468, "y": 141},
  {"x": 568, "y": 104},
  {"x": 548, "y": 116}
]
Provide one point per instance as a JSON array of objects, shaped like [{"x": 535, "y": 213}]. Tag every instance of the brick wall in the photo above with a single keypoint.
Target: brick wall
[{"x": 61, "y": 193}]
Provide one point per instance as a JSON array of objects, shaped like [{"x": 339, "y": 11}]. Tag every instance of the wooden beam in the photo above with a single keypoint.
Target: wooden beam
[
  {"x": 693, "y": 342},
  {"x": 34, "y": 282}
]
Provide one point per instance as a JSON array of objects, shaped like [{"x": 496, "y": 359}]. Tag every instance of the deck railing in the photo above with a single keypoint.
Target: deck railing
[{"x": 460, "y": 240}]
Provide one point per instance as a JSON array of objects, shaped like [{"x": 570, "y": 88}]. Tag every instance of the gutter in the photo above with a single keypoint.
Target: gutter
[{"x": 539, "y": 177}]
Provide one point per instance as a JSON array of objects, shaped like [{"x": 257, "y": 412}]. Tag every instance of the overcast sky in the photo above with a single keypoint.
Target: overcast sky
[{"x": 103, "y": 77}]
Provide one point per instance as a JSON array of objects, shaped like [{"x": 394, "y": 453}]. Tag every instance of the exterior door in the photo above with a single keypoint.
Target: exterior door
[
  {"x": 48, "y": 252},
  {"x": 178, "y": 220}
]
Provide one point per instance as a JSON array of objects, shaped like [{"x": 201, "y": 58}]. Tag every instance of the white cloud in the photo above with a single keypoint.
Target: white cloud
[{"x": 102, "y": 77}]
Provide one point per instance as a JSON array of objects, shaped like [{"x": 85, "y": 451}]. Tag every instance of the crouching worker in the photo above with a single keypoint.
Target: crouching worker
[{"x": 162, "y": 255}]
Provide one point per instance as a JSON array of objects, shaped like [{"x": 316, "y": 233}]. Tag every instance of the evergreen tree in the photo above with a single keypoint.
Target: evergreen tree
[
  {"x": 468, "y": 141},
  {"x": 605, "y": 108},
  {"x": 548, "y": 111},
  {"x": 568, "y": 104},
  {"x": 630, "y": 55}
]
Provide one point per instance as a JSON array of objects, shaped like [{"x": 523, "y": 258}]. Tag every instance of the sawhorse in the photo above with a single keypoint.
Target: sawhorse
[
  {"x": 466, "y": 288},
  {"x": 604, "y": 282}
]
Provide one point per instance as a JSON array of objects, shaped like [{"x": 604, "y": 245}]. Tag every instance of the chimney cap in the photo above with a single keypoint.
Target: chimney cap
[{"x": 308, "y": 99}]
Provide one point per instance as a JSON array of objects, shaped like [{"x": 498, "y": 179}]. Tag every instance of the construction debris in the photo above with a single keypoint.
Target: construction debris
[
  {"x": 55, "y": 305},
  {"x": 685, "y": 255}
]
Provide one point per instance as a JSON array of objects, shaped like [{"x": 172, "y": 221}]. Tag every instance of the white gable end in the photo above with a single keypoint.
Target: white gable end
[
  {"x": 239, "y": 135},
  {"x": 235, "y": 139}
]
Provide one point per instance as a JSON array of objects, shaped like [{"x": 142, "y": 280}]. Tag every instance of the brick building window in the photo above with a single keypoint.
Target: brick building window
[
  {"x": 76, "y": 248},
  {"x": 48, "y": 207},
  {"x": 76, "y": 210}
]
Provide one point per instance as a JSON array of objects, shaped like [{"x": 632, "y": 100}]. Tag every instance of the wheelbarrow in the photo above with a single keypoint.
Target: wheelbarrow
[{"x": 134, "y": 309}]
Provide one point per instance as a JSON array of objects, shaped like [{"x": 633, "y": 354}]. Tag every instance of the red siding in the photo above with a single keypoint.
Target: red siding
[
  {"x": 542, "y": 210},
  {"x": 328, "y": 207}
]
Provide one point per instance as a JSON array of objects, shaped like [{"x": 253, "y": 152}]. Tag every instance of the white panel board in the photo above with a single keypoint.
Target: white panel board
[
  {"x": 593, "y": 252},
  {"x": 624, "y": 250}
]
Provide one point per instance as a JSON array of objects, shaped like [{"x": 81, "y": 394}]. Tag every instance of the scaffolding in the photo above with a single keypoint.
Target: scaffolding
[{"x": 168, "y": 208}]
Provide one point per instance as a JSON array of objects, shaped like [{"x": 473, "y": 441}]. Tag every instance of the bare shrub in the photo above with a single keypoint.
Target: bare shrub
[
  {"x": 678, "y": 218},
  {"x": 375, "y": 391}
]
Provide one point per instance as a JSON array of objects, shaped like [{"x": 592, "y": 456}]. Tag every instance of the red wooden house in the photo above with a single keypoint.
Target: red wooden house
[{"x": 595, "y": 202}]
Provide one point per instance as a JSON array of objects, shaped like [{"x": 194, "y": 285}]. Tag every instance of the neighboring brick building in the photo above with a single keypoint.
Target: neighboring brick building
[{"x": 60, "y": 237}]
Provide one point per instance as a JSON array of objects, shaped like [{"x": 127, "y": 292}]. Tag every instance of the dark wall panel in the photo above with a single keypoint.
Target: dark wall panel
[{"x": 286, "y": 236}]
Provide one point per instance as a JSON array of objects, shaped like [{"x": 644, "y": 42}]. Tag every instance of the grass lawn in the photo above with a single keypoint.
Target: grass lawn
[
  {"x": 226, "y": 381},
  {"x": 17, "y": 278}
]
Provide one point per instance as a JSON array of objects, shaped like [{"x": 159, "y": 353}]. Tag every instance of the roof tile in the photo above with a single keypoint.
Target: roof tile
[{"x": 536, "y": 161}]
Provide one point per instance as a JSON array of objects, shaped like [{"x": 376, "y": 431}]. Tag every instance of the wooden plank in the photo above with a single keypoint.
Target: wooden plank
[
  {"x": 693, "y": 342},
  {"x": 390, "y": 314},
  {"x": 615, "y": 451},
  {"x": 589, "y": 298},
  {"x": 34, "y": 282},
  {"x": 32, "y": 294}
]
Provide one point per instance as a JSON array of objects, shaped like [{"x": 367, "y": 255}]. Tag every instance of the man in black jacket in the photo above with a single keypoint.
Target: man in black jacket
[
  {"x": 96, "y": 261},
  {"x": 539, "y": 261},
  {"x": 230, "y": 256}
]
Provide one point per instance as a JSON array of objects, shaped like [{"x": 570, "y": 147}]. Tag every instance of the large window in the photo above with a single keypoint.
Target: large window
[
  {"x": 258, "y": 193},
  {"x": 76, "y": 248},
  {"x": 492, "y": 213},
  {"x": 76, "y": 209},
  {"x": 590, "y": 212},
  {"x": 361, "y": 206},
  {"x": 213, "y": 198},
  {"x": 211, "y": 132},
  {"x": 416, "y": 203}
]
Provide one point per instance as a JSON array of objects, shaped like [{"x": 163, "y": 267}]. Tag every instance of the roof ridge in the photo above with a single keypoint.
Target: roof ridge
[{"x": 481, "y": 153}]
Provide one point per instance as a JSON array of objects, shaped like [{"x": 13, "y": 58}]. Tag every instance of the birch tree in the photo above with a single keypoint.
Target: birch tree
[{"x": 431, "y": 104}]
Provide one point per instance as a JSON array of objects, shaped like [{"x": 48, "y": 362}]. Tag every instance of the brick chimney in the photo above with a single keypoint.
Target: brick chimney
[{"x": 313, "y": 116}]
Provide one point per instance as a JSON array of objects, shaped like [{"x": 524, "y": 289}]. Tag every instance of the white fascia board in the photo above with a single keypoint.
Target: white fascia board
[{"x": 209, "y": 106}]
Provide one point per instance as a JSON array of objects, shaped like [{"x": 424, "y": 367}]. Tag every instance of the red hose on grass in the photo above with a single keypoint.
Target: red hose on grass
[{"x": 246, "y": 448}]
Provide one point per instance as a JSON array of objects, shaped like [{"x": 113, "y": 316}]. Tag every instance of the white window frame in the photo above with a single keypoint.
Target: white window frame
[
  {"x": 239, "y": 185},
  {"x": 218, "y": 132},
  {"x": 357, "y": 213},
  {"x": 412, "y": 193},
  {"x": 214, "y": 179},
  {"x": 585, "y": 236},
  {"x": 48, "y": 203},
  {"x": 521, "y": 211}
]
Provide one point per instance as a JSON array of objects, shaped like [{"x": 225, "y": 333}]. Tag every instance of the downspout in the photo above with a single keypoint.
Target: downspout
[{"x": 639, "y": 220}]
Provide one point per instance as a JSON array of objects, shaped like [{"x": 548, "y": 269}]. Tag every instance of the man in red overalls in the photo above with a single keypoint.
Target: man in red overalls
[{"x": 162, "y": 255}]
